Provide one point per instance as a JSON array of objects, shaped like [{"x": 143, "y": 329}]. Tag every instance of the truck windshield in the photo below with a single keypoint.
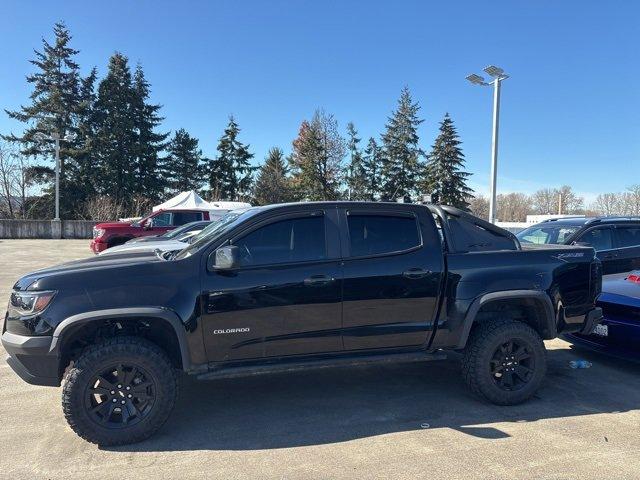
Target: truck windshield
[
  {"x": 215, "y": 230},
  {"x": 176, "y": 232},
  {"x": 140, "y": 221},
  {"x": 546, "y": 234}
]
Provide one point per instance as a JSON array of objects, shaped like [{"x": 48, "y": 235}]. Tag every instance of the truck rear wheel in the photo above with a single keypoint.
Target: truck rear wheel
[
  {"x": 504, "y": 361},
  {"x": 120, "y": 391}
]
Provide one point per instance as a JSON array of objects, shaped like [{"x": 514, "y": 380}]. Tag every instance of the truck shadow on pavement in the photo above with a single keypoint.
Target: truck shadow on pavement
[{"x": 342, "y": 404}]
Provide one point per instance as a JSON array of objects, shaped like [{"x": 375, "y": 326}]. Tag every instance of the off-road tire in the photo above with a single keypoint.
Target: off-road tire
[
  {"x": 484, "y": 341},
  {"x": 133, "y": 350}
]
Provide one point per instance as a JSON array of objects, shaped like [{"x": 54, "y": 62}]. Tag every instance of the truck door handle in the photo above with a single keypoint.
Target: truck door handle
[
  {"x": 415, "y": 273},
  {"x": 318, "y": 280}
]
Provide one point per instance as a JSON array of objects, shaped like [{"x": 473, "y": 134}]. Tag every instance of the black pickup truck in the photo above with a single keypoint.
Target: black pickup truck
[{"x": 296, "y": 286}]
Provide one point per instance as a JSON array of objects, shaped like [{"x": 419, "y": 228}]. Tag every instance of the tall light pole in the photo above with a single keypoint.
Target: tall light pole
[
  {"x": 55, "y": 137},
  {"x": 498, "y": 76}
]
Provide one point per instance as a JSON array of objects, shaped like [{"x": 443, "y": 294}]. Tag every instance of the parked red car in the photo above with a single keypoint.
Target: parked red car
[{"x": 106, "y": 235}]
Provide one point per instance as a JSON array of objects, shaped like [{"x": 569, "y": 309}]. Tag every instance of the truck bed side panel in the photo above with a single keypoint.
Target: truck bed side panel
[{"x": 563, "y": 274}]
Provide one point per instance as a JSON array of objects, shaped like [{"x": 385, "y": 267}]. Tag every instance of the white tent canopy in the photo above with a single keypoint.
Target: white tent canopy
[{"x": 192, "y": 201}]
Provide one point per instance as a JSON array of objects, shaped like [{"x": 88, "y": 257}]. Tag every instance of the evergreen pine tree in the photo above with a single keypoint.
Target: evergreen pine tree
[
  {"x": 356, "y": 180},
  {"x": 54, "y": 102},
  {"x": 116, "y": 141},
  {"x": 402, "y": 168},
  {"x": 446, "y": 178},
  {"x": 371, "y": 165},
  {"x": 83, "y": 178},
  {"x": 231, "y": 173},
  {"x": 150, "y": 143},
  {"x": 183, "y": 167},
  {"x": 317, "y": 157},
  {"x": 272, "y": 184}
]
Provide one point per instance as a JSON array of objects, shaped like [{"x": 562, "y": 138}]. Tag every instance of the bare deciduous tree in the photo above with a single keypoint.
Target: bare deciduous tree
[
  {"x": 479, "y": 206},
  {"x": 544, "y": 201},
  {"x": 7, "y": 172},
  {"x": 632, "y": 200},
  {"x": 103, "y": 207},
  {"x": 557, "y": 200},
  {"x": 513, "y": 207},
  {"x": 568, "y": 201},
  {"x": 14, "y": 181},
  {"x": 621, "y": 203},
  {"x": 607, "y": 204}
]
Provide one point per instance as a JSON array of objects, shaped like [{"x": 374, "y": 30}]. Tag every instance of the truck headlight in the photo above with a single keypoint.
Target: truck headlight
[
  {"x": 98, "y": 232},
  {"x": 29, "y": 303}
]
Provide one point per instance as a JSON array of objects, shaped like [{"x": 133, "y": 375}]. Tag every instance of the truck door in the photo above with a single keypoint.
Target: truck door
[
  {"x": 393, "y": 267},
  {"x": 627, "y": 248},
  {"x": 602, "y": 241},
  {"x": 285, "y": 298}
]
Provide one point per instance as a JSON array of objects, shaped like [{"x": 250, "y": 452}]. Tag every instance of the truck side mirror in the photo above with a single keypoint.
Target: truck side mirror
[
  {"x": 226, "y": 258},
  {"x": 148, "y": 224}
]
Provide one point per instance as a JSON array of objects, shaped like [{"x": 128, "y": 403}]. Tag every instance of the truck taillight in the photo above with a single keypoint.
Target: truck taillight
[
  {"x": 596, "y": 278},
  {"x": 634, "y": 277}
]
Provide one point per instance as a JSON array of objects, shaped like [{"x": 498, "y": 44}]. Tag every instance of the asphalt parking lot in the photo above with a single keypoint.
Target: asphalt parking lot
[{"x": 393, "y": 421}]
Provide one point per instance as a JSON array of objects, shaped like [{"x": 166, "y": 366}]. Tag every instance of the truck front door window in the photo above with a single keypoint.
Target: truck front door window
[
  {"x": 286, "y": 241},
  {"x": 162, "y": 220},
  {"x": 598, "y": 238}
]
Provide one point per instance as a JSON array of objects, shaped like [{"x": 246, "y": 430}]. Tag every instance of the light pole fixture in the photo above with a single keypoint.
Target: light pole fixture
[
  {"x": 55, "y": 137},
  {"x": 498, "y": 75}
]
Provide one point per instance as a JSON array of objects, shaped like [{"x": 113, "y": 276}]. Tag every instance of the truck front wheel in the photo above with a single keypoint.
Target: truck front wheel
[
  {"x": 504, "y": 361},
  {"x": 119, "y": 391}
]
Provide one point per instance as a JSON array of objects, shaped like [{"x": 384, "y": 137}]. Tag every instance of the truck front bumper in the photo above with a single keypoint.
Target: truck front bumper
[
  {"x": 593, "y": 318},
  {"x": 31, "y": 359}
]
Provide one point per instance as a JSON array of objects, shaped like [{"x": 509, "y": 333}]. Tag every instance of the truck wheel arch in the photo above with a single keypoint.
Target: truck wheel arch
[
  {"x": 68, "y": 327},
  {"x": 545, "y": 323},
  {"x": 118, "y": 240}
]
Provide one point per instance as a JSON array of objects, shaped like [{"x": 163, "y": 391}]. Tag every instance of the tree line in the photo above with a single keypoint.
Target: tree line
[
  {"x": 118, "y": 160},
  {"x": 514, "y": 207}
]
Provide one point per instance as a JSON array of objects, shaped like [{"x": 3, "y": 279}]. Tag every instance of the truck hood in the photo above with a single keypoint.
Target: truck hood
[
  {"x": 113, "y": 225},
  {"x": 140, "y": 247},
  {"x": 31, "y": 280}
]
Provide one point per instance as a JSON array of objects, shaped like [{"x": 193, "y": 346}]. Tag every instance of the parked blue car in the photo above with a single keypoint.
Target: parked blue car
[{"x": 619, "y": 332}]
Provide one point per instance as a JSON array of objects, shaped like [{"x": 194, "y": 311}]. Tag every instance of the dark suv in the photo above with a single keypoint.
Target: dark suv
[{"x": 616, "y": 240}]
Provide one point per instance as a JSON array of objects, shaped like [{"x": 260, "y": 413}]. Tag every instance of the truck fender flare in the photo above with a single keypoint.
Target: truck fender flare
[
  {"x": 111, "y": 314},
  {"x": 542, "y": 298}
]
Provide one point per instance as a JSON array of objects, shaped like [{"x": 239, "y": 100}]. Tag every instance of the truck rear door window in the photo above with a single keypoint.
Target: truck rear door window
[
  {"x": 379, "y": 234},
  {"x": 628, "y": 236},
  {"x": 180, "y": 218}
]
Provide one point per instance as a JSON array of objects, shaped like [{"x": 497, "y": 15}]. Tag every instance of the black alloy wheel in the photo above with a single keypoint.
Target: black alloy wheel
[
  {"x": 512, "y": 365},
  {"x": 120, "y": 396}
]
